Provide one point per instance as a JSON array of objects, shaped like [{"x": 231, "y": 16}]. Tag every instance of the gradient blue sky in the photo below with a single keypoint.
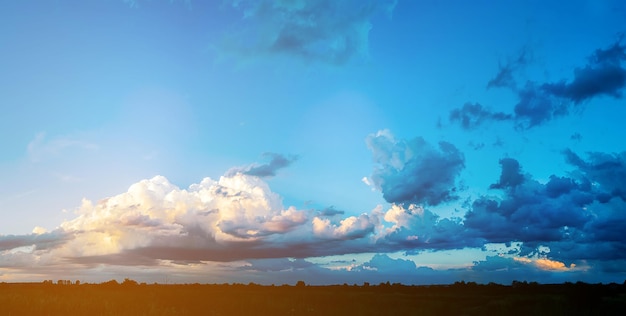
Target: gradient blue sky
[{"x": 326, "y": 141}]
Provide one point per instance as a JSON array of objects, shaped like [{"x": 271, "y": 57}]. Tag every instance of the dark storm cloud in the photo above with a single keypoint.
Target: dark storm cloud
[
  {"x": 324, "y": 30},
  {"x": 415, "y": 171},
  {"x": 277, "y": 162},
  {"x": 579, "y": 217},
  {"x": 39, "y": 241},
  {"x": 472, "y": 115}
]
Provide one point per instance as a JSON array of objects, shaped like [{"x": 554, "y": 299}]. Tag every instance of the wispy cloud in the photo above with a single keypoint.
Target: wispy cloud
[
  {"x": 277, "y": 162},
  {"x": 323, "y": 30},
  {"x": 472, "y": 115},
  {"x": 42, "y": 148},
  {"x": 538, "y": 103}
]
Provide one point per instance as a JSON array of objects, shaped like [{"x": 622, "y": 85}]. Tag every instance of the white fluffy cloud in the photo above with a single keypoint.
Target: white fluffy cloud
[{"x": 233, "y": 209}]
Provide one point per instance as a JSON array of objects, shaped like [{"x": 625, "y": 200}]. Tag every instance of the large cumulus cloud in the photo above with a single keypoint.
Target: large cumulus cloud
[{"x": 415, "y": 171}]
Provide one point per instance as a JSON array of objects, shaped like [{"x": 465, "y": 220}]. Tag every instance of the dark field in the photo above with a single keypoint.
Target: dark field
[{"x": 130, "y": 298}]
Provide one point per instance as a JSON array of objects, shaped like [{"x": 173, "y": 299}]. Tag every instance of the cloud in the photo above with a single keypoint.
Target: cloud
[
  {"x": 536, "y": 107},
  {"x": 237, "y": 218},
  {"x": 414, "y": 171},
  {"x": 200, "y": 222},
  {"x": 41, "y": 148},
  {"x": 276, "y": 264},
  {"x": 604, "y": 75},
  {"x": 416, "y": 229},
  {"x": 572, "y": 218},
  {"x": 547, "y": 264},
  {"x": 505, "y": 76},
  {"x": 330, "y": 211},
  {"x": 472, "y": 115},
  {"x": 540, "y": 102},
  {"x": 530, "y": 211},
  {"x": 510, "y": 176},
  {"x": 324, "y": 30},
  {"x": 39, "y": 241},
  {"x": 607, "y": 170},
  {"x": 385, "y": 264},
  {"x": 349, "y": 228},
  {"x": 277, "y": 162}
]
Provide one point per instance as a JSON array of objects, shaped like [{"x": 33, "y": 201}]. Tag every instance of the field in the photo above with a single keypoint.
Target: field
[{"x": 462, "y": 298}]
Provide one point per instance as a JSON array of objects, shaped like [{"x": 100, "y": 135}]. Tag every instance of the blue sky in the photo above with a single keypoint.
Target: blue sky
[{"x": 327, "y": 141}]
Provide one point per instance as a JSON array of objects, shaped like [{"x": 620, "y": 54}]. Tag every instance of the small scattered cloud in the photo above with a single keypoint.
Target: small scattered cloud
[
  {"x": 505, "y": 76},
  {"x": 277, "y": 162},
  {"x": 330, "y": 211},
  {"x": 472, "y": 115}
]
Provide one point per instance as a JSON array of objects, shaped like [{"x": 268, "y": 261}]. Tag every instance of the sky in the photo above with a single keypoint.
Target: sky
[{"x": 235, "y": 141}]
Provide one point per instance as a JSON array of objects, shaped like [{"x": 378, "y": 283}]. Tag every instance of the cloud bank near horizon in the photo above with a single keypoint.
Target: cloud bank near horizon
[{"x": 561, "y": 225}]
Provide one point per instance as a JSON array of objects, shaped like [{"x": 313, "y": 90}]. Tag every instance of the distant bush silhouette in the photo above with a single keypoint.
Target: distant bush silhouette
[
  {"x": 111, "y": 283},
  {"x": 129, "y": 282},
  {"x": 112, "y": 298}
]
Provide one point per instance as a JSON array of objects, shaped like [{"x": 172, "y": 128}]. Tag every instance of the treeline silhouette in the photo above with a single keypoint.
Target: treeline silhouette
[{"x": 129, "y": 297}]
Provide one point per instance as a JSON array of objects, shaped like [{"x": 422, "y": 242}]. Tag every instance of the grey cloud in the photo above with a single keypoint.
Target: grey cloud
[
  {"x": 590, "y": 82},
  {"x": 426, "y": 230},
  {"x": 277, "y": 162},
  {"x": 505, "y": 76},
  {"x": 384, "y": 264},
  {"x": 330, "y": 211},
  {"x": 607, "y": 170},
  {"x": 536, "y": 107},
  {"x": 510, "y": 176},
  {"x": 472, "y": 115},
  {"x": 530, "y": 211},
  {"x": 276, "y": 264},
  {"x": 576, "y": 217},
  {"x": 604, "y": 75},
  {"x": 40, "y": 241},
  {"x": 415, "y": 171},
  {"x": 327, "y": 31},
  {"x": 538, "y": 103},
  {"x": 576, "y": 137}
]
